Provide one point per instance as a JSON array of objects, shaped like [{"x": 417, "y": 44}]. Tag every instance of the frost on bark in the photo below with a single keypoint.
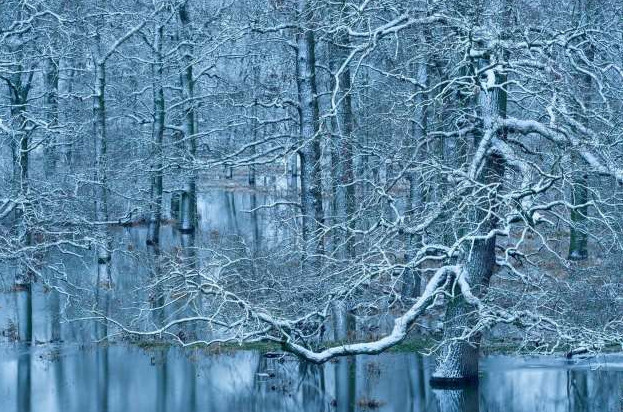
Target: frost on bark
[
  {"x": 255, "y": 124},
  {"x": 578, "y": 236},
  {"x": 345, "y": 189},
  {"x": 189, "y": 200},
  {"x": 155, "y": 215},
  {"x": 458, "y": 359},
  {"x": 104, "y": 281},
  {"x": 51, "y": 103},
  {"x": 101, "y": 162},
  {"x": 19, "y": 87},
  {"x": 51, "y": 80},
  {"x": 310, "y": 154},
  {"x": 415, "y": 194},
  {"x": 344, "y": 321}
]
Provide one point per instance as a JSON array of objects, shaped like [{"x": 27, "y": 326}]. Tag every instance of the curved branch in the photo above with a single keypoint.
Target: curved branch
[{"x": 438, "y": 284}]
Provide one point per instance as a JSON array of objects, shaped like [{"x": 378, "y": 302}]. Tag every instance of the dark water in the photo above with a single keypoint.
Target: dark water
[{"x": 122, "y": 378}]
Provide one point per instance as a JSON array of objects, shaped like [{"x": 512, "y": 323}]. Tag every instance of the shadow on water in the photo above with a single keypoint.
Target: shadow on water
[
  {"x": 24, "y": 381},
  {"x": 120, "y": 378}
]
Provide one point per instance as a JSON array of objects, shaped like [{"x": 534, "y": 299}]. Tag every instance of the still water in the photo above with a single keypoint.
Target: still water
[
  {"x": 123, "y": 378},
  {"x": 78, "y": 376}
]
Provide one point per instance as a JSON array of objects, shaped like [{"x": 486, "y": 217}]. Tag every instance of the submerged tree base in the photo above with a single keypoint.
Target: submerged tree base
[
  {"x": 578, "y": 255},
  {"x": 439, "y": 382}
]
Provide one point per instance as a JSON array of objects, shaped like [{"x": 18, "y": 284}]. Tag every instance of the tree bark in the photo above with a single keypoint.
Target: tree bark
[
  {"x": 578, "y": 236},
  {"x": 51, "y": 160},
  {"x": 311, "y": 183},
  {"x": 104, "y": 281},
  {"x": 345, "y": 190},
  {"x": 412, "y": 280},
  {"x": 51, "y": 103},
  {"x": 155, "y": 217},
  {"x": 458, "y": 360},
  {"x": 190, "y": 130},
  {"x": 254, "y": 123},
  {"x": 24, "y": 214}
]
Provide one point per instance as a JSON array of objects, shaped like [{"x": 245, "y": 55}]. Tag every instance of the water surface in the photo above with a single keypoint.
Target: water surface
[{"x": 122, "y": 378}]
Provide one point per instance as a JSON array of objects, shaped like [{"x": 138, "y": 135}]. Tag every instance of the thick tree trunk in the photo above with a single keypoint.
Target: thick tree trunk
[
  {"x": 254, "y": 133},
  {"x": 155, "y": 216},
  {"x": 24, "y": 275},
  {"x": 50, "y": 164},
  {"x": 343, "y": 179},
  {"x": 24, "y": 213},
  {"x": 255, "y": 124},
  {"x": 55, "y": 316},
  {"x": 412, "y": 280},
  {"x": 104, "y": 281},
  {"x": 578, "y": 236},
  {"x": 310, "y": 154},
  {"x": 257, "y": 237},
  {"x": 23, "y": 296},
  {"x": 345, "y": 190},
  {"x": 66, "y": 140},
  {"x": 190, "y": 130},
  {"x": 458, "y": 360},
  {"x": 51, "y": 102}
]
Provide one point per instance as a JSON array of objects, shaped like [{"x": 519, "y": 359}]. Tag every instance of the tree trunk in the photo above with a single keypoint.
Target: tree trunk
[
  {"x": 345, "y": 190},
  {"x": 311, "y": 183},
  {"x": 155, "y": 216},
  {"x": 254, "y": 132},
  {"x": 190, "y": 129},
  {"x": 578, "y": 236},
  {"x": 458, "y": 360},
  {"x": 24, "y": 213},
  {"x": 412, "y": 281},
  {"x": 104, "y": 281},
  {"x": 51, "y": 103},
  {"x": 23, "y": 277},
  {"x": 50, "y": 163},
  {"x": 65, "y": 155},
  {"x": 254, "y": 125}
]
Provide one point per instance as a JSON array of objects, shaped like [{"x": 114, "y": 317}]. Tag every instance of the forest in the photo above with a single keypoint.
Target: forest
[{"x": 304, "y": 205}]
